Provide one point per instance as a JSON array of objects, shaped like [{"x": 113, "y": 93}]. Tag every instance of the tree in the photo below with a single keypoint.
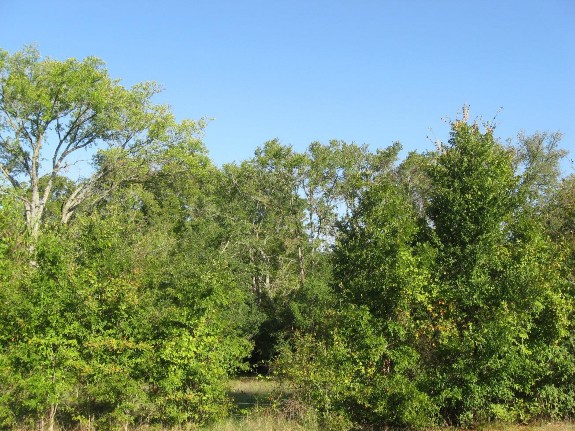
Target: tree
[
  {"x": 499, "y": 305},
  {"x": 360, "y": 365},
  {"x": 262, "y": 215},
  {"x": 131, "y": 315},
  {"x": 452, "y": 302},
  {"x": 51, "y": 109},
  {"x": 561, "y": 213},
  {"x": 537, "y": 158},
  {"x": 333, "y": 176}
]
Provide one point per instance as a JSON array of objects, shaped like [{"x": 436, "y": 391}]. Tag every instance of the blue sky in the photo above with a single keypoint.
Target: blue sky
[{"x": 365, "y": 71}]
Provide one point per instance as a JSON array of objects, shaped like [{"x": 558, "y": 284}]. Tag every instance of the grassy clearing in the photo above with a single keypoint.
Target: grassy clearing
[
  {"x": 249, "y": 393},
  {"x": 262, "y": 405}
]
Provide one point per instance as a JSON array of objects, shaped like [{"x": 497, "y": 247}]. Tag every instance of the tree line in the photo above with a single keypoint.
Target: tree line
[{"x": 432, "y": 289}]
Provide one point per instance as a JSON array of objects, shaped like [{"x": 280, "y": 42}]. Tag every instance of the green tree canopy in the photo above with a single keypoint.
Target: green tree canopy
[{"x": 51, "y": 109}]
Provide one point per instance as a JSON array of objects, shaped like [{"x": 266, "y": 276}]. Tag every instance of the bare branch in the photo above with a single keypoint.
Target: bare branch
[
  {"x": 79, "y": 195},
  {"x": 74, "y": 127},
  {"x": 10, "y": 178}
]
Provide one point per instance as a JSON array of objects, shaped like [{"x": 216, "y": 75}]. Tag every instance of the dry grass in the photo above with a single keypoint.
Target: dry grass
[
  {"x": 556, "y": 426},
  {"x": 251, "y": 392},
  {"x": 263, "y": 421},
  {"x": 269, "y": 422},
  {"x": 262, "y": 405}
]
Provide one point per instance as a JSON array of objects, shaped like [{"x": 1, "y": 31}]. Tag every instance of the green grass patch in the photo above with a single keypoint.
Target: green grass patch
[{"x": 249, "y": 393}]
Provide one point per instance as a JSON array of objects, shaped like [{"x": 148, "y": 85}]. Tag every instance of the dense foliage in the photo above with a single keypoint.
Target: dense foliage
[
  {"x": 437, "y": 289},
  {"x": 455, "y": 306}
]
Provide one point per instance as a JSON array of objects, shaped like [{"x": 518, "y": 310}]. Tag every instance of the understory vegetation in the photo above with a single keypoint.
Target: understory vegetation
[{"x": 381, "y": 289}]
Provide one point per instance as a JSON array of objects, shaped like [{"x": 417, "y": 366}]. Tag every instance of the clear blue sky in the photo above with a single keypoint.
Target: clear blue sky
[{"x": 365, "y": 71}]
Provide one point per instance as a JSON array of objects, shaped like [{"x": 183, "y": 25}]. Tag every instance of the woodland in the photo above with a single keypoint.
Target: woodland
[{"x": 388, "y": 290}]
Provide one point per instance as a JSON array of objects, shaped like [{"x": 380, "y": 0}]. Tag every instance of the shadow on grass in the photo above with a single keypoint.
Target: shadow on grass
[{"x": 249, "y": 393}]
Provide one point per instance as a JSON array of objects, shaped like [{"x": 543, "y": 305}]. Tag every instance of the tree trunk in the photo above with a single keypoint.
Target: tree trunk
[
  {"x": 52, "y": 417},
  {"x": 33, "y": 227},
  {"x": 301, "y": 266}
]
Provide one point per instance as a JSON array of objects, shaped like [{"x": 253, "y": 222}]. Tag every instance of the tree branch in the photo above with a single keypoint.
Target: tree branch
[
  {"x": 78, "y": 196},
  {"x": 74, "y": 127},
  {"x": 10, "y": 178}
]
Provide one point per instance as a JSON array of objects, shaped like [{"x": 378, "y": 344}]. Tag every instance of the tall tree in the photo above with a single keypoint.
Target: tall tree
[
  {"x": 453, "y": 304},
  {"x": 263, "y": 218},
  {"x": 51, "y": 109},
  {"x": 500, "y": 303},
  {"x": 332, "y": 178},
  {"x": 537, "y": 158}
]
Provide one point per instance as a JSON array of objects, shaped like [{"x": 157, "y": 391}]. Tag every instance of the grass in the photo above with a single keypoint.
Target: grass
[
  {"x": 249, "y": 393},
  {"x": 268, "y": 421},
  {"x": 262, "y": 405},
  {"x": 556, "y": 426},
  {"x": 261, "y": 421}
]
